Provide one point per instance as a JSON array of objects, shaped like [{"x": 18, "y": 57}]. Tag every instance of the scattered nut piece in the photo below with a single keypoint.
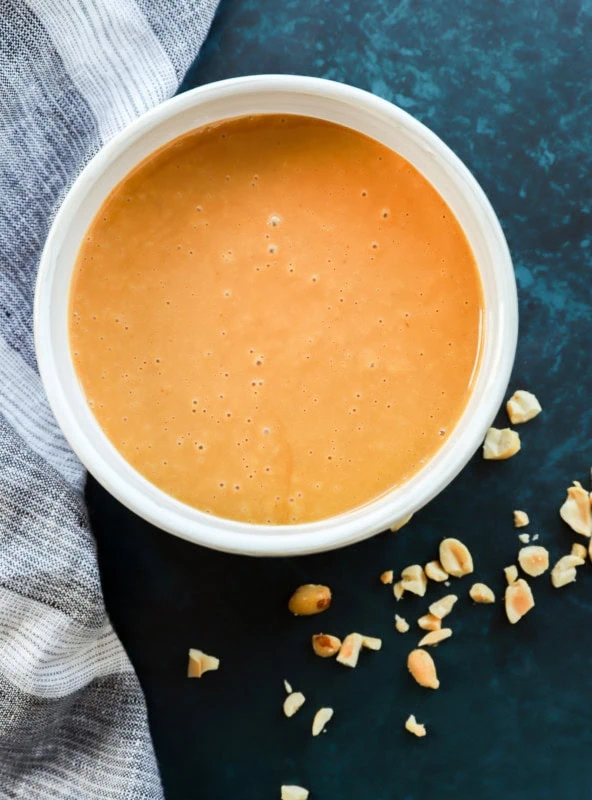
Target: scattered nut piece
[
  {"x": 442, "y": 607},
  {"x": 200, "y": 662},
  {"x": 371, "y": 643},
  {"x": 398, "y": 525},
  {"x": 350, "y": 650},
  {"x": 481, "y": 593},
  {"x": 398, "y": 590},
  {"x": 415, "y": 727},
  {"x": 435, "y": 637},
  {"x": 321, "y": 718},
  {"x": 511, "y": 574},
  {"x": 387, "y": 576},
  {"x": 579, "y": 550},
  {"x": 522, "y": 406},
  {"x": 401, "y": 624},
  {"x": 535, "y": 537},
  {"x": 413, "y": 580},
  {"x": 312, "y": 598},
  {"x": 421, "y": 666},
  {"x": 287, "y": 687},
  {"x": 521, "y": 519},
  {"x": 564, "y": 571},
  {"x": 500, "y": 444},
  {"x": 435, "y": 571},
  {"x": 292, "y": 703},
  {"x": 325, "y": 645},
  {"x": 577, "y": 511},
  {"x": 294, "y": 793},
  {"x": 590, "y": 550},
  {"x": 519, "y": 600},
  {"x": 455, "y": 558},
  {"x": 429, "y": 622},
  {"x": 524, "y": 538},
  {"x": 534, "y": 560}
]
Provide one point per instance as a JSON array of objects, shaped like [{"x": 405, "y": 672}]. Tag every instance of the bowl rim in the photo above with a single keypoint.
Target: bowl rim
[{"x": 246, "y": 538}]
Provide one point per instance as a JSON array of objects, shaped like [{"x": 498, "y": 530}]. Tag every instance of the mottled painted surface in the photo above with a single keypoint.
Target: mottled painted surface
[{"x": 508, "y": 86}]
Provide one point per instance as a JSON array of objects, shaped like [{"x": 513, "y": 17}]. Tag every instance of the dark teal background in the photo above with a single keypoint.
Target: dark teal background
[{"x": 508, "y": 86}]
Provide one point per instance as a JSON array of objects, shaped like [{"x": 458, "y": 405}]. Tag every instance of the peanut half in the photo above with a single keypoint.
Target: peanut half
[
  {"x": 534, "y": 560},
  {"x": 455, "y": 558},
  {"x": 200, "y": 662},
  {"x": 522, "y": 406},
  {"x": 325, "y": 645},
  {"x": 312, "y": 598},
  {"x": 481, "y": 593},
  {"x": 321, "y": 718},
  {"x": 421, "y": 666},
  {"x": 564, "y": 571},
  {"x": 435, "y": 572},
  {"x": 413, "y": 580},
  {"x": 293, "y": 702},
  {"x": 500, "y": 444},
  {"x": 577, "y": 511},
  {"x": 401, "y": 624},
  {"x": 442, "y": 607},
  {"x": 415, "y": 727},
  {"x": 291, "y": 792},
  {"x": 435, "y": 637},
  {"x": 519, "y": 600},
  {"x": 350, "y": 650},
  {"x": 521, "y": 519}
]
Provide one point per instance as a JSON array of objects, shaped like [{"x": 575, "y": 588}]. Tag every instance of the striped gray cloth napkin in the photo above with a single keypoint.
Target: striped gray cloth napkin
[{"x": 72, "y": 715}]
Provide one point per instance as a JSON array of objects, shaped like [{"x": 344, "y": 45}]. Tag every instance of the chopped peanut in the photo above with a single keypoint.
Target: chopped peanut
[
  {"x": 401, "y": 624},
  {"x": 421, "y": 666},
  {"x": 435, "y": 572},
  {"x": 312, "y": 598},
  {"x": 521, "y": 519},
  {"x": 455, "y": 558},
  {"x": 398, "y": 590},
  {"x": 415, "y": 727},
  {"x": 413, "y": 580},
  {"x": 435, "y": 637},
  {"x": 441, "y": 608},
  {"x": 577, "y": 511},
  {"x": 481, "y": 593},
  {"x": 564, "y": 571},
  {"x": 524, "y": 538},
  {"x": 350, "y": 650},
  {"x": 511, "y": 574},
  {"x": 287, "y": 687},
  {"x": 519, "y": 600},
  {"x": 321, "y": 718},
  {"x": 371, "y": 643},
  {"x": 522, "y": 406},
  {"x": 292, "y": 703},
  {"x": 590, "y": 550},
  {"x": 325, "y": 645},
  {"x": 387, "y": 576},
  {"x": 294, "y": 793},
  {"x": 398, "y": 525},
  {"x": 534, "y": 560},
  {"x": 500, "y": 444},
  {"x": 579, "y": 550},
  {"x": 200, "y": 662},
  {"x": 429, "y": 622}
]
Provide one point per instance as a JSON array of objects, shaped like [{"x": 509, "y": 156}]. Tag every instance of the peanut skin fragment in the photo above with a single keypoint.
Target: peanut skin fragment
[
  {"x": 534, "y": 560},
  {"x": 500, "y": 444},
  {"x": 481, "y": 593},
  {"x": 422, "y": 668},
  {"x": 519, "y": 600},
  {"x": 415, "y": 727}
]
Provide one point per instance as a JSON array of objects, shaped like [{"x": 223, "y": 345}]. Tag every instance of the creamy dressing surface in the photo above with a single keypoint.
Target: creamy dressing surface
[{"x": 276, "y": 319}]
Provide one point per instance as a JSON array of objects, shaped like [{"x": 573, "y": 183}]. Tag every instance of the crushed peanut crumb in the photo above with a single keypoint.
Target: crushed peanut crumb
[
  {"x": 413, "y": 580},
  {"x": 481, "y": 593},
  {"x": 421, "y": 666},
  {"x": 522, "y": 406},
  {"x": 455, "y": 558},
  {"x": 401, "y": 624},
  {"x": 577, "y": 511},
  {"x": 293, "y": 702},
  {"x": 500, "y": 444},
  {"x": 294, "y": 793},
  {"x": 387, "y": 576},
  {"x": 435, "y": 637},
  {"x": 442, "y": 607},
  {"x": 401, "y": 523},
  {"x": 199, "y": 663},
  {"x": 519, "y": 600},
  {"x": 579, "y": 550},
  {"x": 429, "y": 622},
  {"x": 398, "y": 590},
  {"x": 511, "y": 573},
  {"x": 435, "y": 572},
  {"x": 325, "y": 645},
  {"x": 321, "y": 718},
  {"x": 564, "y": 571},
  {"x": 287, "y": 687},
  {"x": 371, "y": 643},
  {"x": 521, "y": 519},
  {"x": 350, "y": 650},
  {"x": 524, "y": 538},
  {"x": 534, "y": 560},
  {"x": 415, "y": 727}
]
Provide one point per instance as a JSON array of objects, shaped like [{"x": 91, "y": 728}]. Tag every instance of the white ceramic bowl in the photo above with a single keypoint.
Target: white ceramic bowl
[{"x": 288, "y": 95}]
